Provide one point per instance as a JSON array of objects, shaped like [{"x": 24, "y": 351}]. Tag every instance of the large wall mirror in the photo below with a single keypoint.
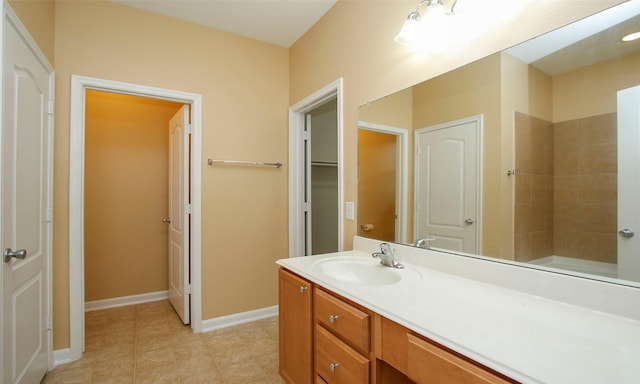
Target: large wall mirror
[{"x": 530, "y": 155}]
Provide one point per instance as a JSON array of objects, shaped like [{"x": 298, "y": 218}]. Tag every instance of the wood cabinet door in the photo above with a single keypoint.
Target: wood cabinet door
[
  {"x": 430, "y": 364},
  {"x": 296, "y": 329}
]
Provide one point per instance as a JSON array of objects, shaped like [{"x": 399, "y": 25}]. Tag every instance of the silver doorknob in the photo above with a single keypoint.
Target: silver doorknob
[
  {"x": 626, "y": 233},
  {"x": 8, "y": 254},
  {"x": 469, "y": 221},
  {"x": 166, "y": 220}
]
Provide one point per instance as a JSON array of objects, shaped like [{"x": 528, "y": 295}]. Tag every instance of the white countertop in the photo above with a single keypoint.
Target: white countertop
[{"x": 528, "y": 337}]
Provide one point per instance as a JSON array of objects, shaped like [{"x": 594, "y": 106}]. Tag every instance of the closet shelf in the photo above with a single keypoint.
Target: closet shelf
[{"x": 323, "y": 164}]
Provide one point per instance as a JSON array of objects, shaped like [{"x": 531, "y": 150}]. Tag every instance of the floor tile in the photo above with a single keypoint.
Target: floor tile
[{"x": 147, "y": 343}]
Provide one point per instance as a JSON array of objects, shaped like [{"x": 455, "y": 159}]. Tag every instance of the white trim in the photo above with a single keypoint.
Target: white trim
[
  {"x": 61, "y": 356},
  {"x": 115, "y": 302},
  {"x": 479, "y": 120},
  {"x": 76, "y": 196},
  {"x": 10, "y": 16},
  {"x": 239, "y": 318},
  {"x": 402, "y": 187},
  {"x": 296, "y": 164}
]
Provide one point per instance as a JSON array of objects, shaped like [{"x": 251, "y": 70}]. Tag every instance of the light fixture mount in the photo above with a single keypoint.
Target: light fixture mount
[{"x": 413, "y": 25}]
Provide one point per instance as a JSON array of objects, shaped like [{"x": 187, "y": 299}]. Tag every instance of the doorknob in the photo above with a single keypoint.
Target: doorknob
[
  {"x": 469, "y": 221},
  {"x": 8, "y": 254},
  {"x": 166, "y": 220},
  {"x": 627, "y": 233}
]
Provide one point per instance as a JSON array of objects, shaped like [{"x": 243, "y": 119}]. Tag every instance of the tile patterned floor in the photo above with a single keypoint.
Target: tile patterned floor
[{"x": 147, "y": 343}]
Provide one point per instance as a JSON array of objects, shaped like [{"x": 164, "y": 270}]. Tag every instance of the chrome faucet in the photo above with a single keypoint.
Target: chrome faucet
[
  {"x": 423, "y": 243},
  {"x": 386, "y": 256}
]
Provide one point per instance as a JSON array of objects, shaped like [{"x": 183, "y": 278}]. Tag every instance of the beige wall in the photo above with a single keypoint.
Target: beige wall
[
  {"x": 354, "y": 40},
  {"x": 39, "y": 18},
  {"x": 592, "y": 90},
  {"x": 244, "y": 88},
  {"x": 126, "y": 194}
]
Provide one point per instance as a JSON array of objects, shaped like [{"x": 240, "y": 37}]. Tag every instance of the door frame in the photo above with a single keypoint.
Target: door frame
[
  {"x": 76, "y": 196},
  {"x": 297, "y": 114},
  {"x": 402, "y": 172},
  {"x": 479, "y": 121}
]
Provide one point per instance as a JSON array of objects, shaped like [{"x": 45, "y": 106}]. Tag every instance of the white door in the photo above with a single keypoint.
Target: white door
[
  {"x": 629, "y": 184},
  {"x": 179, "y": 223},
  {"x": 25, "y": 226},
  {"x": 447, "y": 185}
]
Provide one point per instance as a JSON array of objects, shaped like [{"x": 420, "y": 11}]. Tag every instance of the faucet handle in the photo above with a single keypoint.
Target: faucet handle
[
  {"x": 385, "y": 248},
  {"x": 423, "y": 243}
]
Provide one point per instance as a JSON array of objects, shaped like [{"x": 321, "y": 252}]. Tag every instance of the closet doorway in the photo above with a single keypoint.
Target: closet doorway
[
  {"x": 315, "y": 173},
  {"x": 135, "y": 224}
]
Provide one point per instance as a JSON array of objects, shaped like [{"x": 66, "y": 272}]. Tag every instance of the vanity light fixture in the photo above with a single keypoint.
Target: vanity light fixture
[
  {"x": 631, "y": 37},
  {"x": 414, "y": 25}
]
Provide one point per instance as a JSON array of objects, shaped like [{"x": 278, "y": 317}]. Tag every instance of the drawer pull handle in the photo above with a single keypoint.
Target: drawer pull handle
[
  {"x": 303, "y": 289},
  {"x": 334, "y": 366},
  {"x": 333, "y": 318}
]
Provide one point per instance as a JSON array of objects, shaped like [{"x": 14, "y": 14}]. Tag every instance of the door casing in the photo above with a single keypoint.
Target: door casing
[
  {"x": 76, "y": 198},
  {"x": 402, "y": 173},
  {"x": 297, "y": 164}
]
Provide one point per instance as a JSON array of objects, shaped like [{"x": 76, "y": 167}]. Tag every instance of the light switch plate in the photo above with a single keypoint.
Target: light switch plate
[{"x": 350, "y": 208}]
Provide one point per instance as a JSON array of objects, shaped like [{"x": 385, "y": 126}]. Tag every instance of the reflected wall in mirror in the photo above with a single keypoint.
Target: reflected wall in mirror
[{"x": 551, "y": 177}]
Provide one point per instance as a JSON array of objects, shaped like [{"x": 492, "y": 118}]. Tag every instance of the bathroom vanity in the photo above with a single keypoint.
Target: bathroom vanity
[{"x": 450, "y": 319}]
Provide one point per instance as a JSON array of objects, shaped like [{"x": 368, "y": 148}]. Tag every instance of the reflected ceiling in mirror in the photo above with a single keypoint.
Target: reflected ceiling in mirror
[{"x": 515, "y": 156}]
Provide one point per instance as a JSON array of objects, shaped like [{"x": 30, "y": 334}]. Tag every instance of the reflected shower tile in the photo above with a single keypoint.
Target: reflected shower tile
[
  {"x": 567, "y": 160},
  {"x": 599, "y": 158},
  {"x": 599, "y": 187},
  {"x": 566, "y": 187},
  {"x": 600, "y": 247},
  {"x": 523, "y": 187},
  {"x": 599, "y": 217}
]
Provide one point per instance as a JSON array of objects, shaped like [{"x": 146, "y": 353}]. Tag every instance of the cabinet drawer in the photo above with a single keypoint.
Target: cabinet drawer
[
  {"x": 343, "y": 319},
  {"x": 336, "y": 362},
  {"x": 430, "y": 364}
]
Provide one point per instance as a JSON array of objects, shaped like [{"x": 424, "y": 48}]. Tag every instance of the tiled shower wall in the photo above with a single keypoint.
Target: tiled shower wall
[
  {"x": 534, "y": 147},
  {"x": 586, "y": 179},
  {"x": 566, "y": 188}
]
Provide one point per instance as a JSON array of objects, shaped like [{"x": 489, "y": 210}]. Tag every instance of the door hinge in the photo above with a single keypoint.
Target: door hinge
[
  {"x": 188, "y": 128},
  {"x": 50, "y": 107},
  {"x": 187, "y": 209},
  {"x": 306, "y": 207},
  {"x": 48, "y": 215},
  {"x": 306, "y": 135},
  {"x": 49, "y": 323},
  {"x": 187, "y": 289},
  {"x": 418, "y": 150}
]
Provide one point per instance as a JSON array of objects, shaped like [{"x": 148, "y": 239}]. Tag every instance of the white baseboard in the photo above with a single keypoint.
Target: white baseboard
[
  {"x": 125, "y": 300},
  {"x": 61, "y": 356},
  {"x": 238, "y": 318}
]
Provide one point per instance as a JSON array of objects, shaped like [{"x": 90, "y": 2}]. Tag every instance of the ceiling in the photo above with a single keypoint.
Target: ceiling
[
  {"x": 279, "y": 22},
  {"x": 585, "y": 42}
]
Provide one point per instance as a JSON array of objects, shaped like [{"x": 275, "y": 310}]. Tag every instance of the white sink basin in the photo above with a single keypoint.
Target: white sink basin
[{"x": 361, "y": 270}]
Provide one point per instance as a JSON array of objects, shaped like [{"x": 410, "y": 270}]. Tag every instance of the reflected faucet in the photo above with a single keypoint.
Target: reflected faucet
[
  {"x": 423, "y": 243},
  {"x": 386, "y": 256}
]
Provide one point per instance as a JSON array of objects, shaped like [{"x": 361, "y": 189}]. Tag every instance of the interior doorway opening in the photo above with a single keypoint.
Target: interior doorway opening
[
  {"x": 325, "y": 104},
  {"x": 77, "y": 198}
]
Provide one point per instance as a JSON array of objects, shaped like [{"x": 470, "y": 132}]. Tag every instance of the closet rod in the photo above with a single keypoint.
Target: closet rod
[{"x": 242, "y": 162}]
